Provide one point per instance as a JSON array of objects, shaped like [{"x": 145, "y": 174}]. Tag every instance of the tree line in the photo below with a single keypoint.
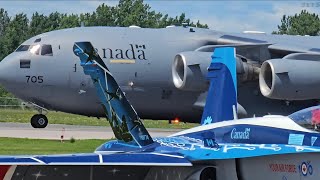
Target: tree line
[
  {"x": 304, "y": 23},
  {"x": 14, "y": 30}
]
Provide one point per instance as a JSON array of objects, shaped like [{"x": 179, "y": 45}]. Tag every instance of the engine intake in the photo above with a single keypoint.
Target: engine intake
[
  {"x": 290, "y": 79},
  {"x": 189, "y": 70},
  {"x": 204, "y": 173}
]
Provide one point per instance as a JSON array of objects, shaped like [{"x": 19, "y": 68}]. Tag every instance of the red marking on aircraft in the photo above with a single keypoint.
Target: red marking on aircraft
[
  {"x": 3, "y": 171},
  {"x": 316, "y": 116}
]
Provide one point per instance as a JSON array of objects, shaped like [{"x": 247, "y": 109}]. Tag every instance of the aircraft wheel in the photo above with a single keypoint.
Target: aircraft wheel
[{"x": 39, "y": 121}]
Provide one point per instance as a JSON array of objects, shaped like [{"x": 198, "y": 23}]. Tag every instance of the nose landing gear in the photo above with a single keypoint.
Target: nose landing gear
[{"x": 39, "y": 120}]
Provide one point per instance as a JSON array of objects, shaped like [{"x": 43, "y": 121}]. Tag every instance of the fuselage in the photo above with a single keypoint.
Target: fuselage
[
  {"x": 273, "y": 145},
  {"x": 140, "y": 60},
  {"x": 182, "y": 156},
  {"x": 223, "y": 140}
]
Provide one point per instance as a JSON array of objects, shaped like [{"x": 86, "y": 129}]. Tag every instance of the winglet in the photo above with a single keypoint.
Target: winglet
[
  {"x": 123, "y": 119},
  {"x": 221, "y": 100}
]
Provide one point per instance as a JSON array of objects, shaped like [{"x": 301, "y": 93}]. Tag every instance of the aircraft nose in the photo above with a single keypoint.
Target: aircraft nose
[
  {"x": 2, "y": 74},
  {"x": 7, "y": 72}
]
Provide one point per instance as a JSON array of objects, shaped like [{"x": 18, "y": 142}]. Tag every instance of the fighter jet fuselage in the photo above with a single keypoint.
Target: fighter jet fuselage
[{"x": 161, "y": 71}]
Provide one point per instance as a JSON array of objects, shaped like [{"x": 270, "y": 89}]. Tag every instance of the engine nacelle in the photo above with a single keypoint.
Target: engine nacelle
[
  {"x": 189, "y": 70},
  {"x": 290, "y": 79},
  {"x": 208, "y": 172}
]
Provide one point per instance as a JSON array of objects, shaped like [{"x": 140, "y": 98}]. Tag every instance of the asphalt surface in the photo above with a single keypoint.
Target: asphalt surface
[{"x": 55, "y": 131}]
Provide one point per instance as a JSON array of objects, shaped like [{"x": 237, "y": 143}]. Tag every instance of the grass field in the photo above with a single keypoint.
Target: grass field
[
  {"x": 36, "y": 146},
  {"x": 23, "y": 116}
]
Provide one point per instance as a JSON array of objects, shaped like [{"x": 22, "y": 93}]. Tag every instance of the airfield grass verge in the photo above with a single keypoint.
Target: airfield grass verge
[
  {"x": 19, "y": 146},
  {"x": 23, "y": 116}
]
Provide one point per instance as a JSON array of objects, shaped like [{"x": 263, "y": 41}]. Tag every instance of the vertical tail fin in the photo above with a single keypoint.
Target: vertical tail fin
[
  {"x": 221, "y": 100},
  {"x": 123, "y": 119}
]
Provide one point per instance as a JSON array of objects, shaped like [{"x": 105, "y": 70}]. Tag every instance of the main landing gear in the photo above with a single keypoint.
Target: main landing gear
[{"x": 39, "y": 120}]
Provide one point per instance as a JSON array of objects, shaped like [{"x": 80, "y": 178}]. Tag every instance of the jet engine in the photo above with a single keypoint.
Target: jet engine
[
  {"x": 290, "y": 79},
  {"x": 204, "y": 173},
  {"x": 189, "y": 70}
]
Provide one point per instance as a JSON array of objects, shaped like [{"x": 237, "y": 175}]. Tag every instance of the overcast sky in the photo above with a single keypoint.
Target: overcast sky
[{"x": 231, "y": 16}]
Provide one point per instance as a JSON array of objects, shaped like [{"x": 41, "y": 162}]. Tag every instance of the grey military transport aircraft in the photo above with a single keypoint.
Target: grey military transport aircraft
[{"x": 162, "y": 71}]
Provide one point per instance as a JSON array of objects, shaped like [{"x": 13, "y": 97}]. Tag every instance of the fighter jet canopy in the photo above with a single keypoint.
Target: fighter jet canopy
[{"x": 307, "y": 117}]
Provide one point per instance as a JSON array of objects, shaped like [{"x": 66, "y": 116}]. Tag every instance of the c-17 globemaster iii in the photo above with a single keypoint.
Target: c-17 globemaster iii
[
  {"x": 162, "y": 71},
  {"x": 223, "y": 147}
]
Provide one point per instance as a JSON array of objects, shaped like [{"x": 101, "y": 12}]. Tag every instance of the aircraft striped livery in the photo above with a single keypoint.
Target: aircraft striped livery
[{"x": 270, "y": 147}]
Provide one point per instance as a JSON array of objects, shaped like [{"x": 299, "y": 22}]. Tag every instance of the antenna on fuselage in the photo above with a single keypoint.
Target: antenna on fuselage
[{"x": 185, "y": 24}]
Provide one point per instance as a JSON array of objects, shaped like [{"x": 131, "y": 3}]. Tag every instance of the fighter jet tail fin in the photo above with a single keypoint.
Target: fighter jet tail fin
[
  {"x": 123, "y": 119},
  {"x": 221, "y": 103}
]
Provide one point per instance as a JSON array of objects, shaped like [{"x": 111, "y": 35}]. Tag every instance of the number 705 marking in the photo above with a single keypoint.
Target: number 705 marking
[{"x": 34, "y": 79}]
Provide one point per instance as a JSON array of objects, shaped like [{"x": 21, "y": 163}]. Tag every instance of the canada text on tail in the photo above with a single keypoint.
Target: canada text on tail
[
  {"x": 123, "y": 119},
  {"x": 221, "y": 103}
]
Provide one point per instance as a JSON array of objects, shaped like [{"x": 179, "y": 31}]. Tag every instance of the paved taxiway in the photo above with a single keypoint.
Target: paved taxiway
[{"x": 54, "y": 131}]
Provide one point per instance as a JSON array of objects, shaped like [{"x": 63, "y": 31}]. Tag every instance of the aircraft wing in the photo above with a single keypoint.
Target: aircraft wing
[
  {"x": 183, "y": 156},
  {"x": 260, "y": 47},
  {"x": 119, "y": 159},
  {"x": 210, "y": 48}
]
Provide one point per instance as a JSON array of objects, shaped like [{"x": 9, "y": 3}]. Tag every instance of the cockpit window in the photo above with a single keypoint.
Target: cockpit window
[
  {"x": 34, "y": 49},
  {"x": 46, "y": 50},
  {"x": 308, "y": 118},
  {"x": 37, "y": 40},
  {"x": 23, "y": 48}
]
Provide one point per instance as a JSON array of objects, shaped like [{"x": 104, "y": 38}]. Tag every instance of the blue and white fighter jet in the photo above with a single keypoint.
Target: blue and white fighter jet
[{"x": 223, "y": 147}]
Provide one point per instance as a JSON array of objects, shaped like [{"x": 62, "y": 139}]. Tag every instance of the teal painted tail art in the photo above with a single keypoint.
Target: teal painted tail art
[{"x": 123, "y": 119}]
